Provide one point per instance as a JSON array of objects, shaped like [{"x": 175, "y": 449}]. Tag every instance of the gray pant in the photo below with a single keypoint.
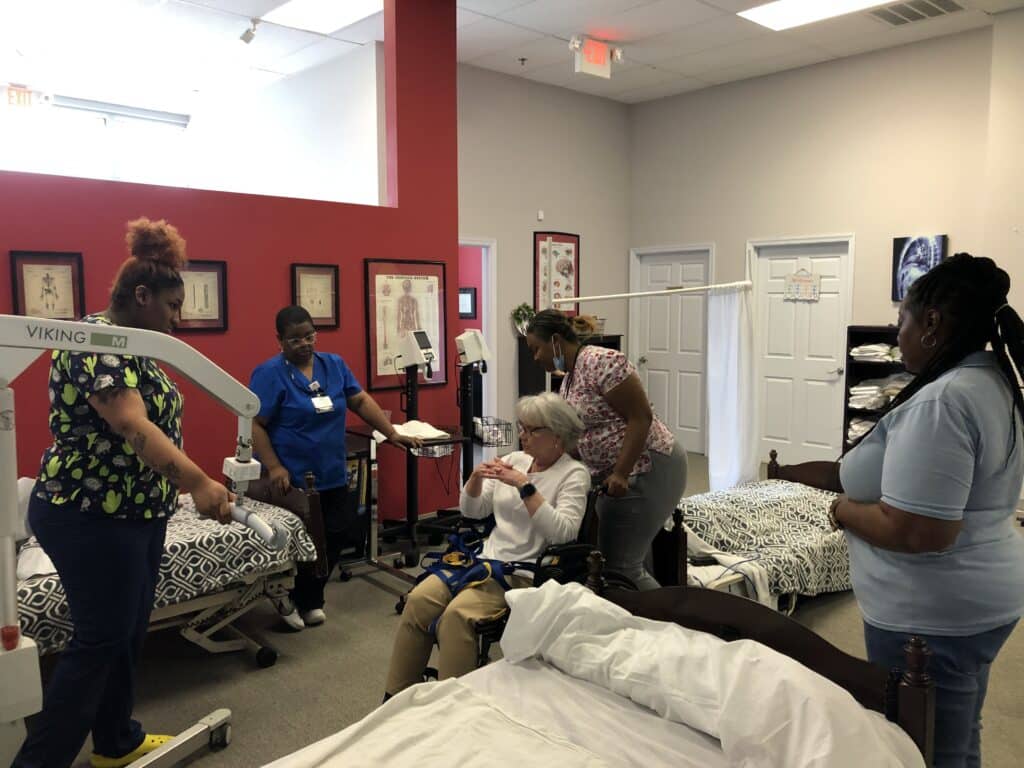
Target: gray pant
[{"x": 628, "y": 524}]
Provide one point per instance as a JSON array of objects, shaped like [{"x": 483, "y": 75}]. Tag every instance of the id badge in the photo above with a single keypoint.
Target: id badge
[{"x": 323, "y": 404}]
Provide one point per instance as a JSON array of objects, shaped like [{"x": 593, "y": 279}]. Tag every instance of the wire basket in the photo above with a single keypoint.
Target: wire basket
[
  {"x": 492, "y": 431},
  {"x": 433, "y": 451}
]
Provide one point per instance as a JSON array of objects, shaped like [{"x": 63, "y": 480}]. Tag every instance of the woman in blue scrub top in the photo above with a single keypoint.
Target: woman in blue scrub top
[
  {"x": 932, "y": 492},
  {"x": 304, "y": 397}
]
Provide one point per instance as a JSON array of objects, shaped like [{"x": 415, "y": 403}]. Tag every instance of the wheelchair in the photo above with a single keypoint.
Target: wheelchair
[{"x": 563, "y": 563}]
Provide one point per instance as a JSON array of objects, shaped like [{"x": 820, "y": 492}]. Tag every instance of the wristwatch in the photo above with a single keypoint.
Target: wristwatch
[
  {"x": 527, "y": 490},
  {"x": 832, "y": 520}
]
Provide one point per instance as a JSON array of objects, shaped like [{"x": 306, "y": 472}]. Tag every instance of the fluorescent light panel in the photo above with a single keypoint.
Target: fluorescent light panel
[
  {"x": 323, "y": 16},
  {"x": 786, "y": 14}
]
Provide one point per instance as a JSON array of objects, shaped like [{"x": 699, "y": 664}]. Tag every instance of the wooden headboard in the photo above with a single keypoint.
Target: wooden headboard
[
  {"x": 817, "y": 474},
  {"x": 907, "y": 699}
]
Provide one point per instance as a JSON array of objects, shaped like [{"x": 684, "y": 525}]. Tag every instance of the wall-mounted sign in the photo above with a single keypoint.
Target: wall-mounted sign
[
  {"x": 594, "y": 58},
  {"x": 19, "y": 97},
  {"x": 802, "y": 286}
]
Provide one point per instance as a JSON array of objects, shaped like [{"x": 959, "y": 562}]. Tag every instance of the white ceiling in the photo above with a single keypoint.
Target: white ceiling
[
  {"x": 674, "y": 46},
  {"x": 165, "y": 52}
]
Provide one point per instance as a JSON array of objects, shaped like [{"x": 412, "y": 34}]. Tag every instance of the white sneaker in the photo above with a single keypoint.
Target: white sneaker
[
  {"x": 314, "y": 617},
  {"x": 294, "y": 620}
]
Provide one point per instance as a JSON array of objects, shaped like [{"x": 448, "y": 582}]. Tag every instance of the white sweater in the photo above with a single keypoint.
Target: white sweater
[{"x": 517, "y": 536}]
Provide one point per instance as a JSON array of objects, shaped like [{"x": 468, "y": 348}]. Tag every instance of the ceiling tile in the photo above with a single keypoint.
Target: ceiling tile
[
  {"x": 995, "y": 6},
  {"x": 767, "y": 66},
  {"x": 565, "y": 17},
  {"x": 671, "y": 88},
  {"x": 538, "y": 53},
  {"x": 825, "y": 34},
  {"x": 621, "y": 81},
  {"x": 364, "y": 31},
  {"x": 250, "y": 8},
  {"x": 734, "y": 6},
  {"x": 313, "y": 55},
  {"x": 490, "y": 36},
  {"x": 490, "y": 7},
  {"x": 734, "y": 54},
  {"x": 699, "y": 37},
  {"x": 464, "y": 18},
  {"x": 652, "y": 18},
  {"x": 887, "y": 36}
]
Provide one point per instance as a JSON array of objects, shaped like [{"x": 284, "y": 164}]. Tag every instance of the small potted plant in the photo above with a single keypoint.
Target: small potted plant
[{"x": 521, "y": 317}]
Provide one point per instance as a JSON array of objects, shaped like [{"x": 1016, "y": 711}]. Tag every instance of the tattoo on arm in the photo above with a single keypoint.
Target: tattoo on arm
[
  {"x": 109, "y": 394},
  {"x": 171, "y": 471}
]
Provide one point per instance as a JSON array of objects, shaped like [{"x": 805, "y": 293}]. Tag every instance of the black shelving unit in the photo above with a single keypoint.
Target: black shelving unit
[
  {"x": 531, "y": 376},
  {"x": 859, "y": 370}
]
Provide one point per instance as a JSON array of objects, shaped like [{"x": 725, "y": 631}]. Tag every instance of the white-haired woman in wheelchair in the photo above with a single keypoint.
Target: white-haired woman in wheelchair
[{"x": 538, "y": 497}]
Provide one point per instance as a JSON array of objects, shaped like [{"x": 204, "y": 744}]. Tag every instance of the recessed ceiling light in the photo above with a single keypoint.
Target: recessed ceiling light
[
  {"x": 323, "y": 16},
  {"x": 786, "y": 14}
]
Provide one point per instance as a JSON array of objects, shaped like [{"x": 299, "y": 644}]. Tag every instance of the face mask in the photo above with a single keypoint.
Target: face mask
[{"x": 559, "y": 360}]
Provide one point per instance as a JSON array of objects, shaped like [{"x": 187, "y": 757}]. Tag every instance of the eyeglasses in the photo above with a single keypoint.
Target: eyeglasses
[
  {"x": 531, "y": 431},
  {"x": 309, "y": 338}
]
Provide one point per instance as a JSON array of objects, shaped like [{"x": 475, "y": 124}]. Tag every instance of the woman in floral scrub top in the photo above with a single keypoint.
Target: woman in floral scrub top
[
  {"x": 100, "y": 506},
  {"x": 624, "y": 445}
]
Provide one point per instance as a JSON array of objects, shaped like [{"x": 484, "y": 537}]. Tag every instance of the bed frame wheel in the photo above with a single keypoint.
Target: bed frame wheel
[
  {"x": 220, "y": 737},
  {"x": 400, "y": 605},
  {"x": 398, "y": 562},
  {"x": 266, "y": 657},
  {"x": 344, "y": 575}
]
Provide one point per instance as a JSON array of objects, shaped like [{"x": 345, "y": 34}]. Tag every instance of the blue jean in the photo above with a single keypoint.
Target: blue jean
[
  {"x": 109, "y": 570},
  {"x": 959, "y": 666}
]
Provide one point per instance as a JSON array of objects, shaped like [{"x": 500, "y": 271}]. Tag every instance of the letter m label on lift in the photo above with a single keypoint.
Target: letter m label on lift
[{"x": 109, "y": 340}]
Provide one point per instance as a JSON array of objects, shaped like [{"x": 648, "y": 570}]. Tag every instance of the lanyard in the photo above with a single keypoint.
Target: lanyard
[{"x": 313, "y": 388}]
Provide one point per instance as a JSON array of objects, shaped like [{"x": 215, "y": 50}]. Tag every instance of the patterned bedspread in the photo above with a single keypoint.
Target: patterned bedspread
[
  {"x": 783, "y": 525},
  {"x": 201, "y": 557}
]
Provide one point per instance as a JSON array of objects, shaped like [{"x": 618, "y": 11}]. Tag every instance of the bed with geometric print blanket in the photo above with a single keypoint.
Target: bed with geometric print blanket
[
  {"x": 783, "y": 526},
  {"x": 209, "y": 576}
]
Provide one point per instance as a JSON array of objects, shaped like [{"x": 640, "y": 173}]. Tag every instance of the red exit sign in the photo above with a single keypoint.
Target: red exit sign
[
  {"x": 18, "y": 96},
  {"x": 593, "y": 57}
]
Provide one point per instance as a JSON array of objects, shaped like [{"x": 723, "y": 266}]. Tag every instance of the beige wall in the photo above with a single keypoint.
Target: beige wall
[
  {"x": 523, "y": 147},
  {"x": 1004, "y": 211},
  {"x": 880, "y": 145}
]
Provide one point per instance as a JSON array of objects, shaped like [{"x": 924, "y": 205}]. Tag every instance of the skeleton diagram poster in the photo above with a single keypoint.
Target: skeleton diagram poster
[
  {"x": 403, "y": 296},
  {"x": 47, "y": 284}
]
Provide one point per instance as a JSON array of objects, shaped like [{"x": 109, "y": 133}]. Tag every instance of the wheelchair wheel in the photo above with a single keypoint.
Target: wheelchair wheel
[{"x": 266, "y": 657}]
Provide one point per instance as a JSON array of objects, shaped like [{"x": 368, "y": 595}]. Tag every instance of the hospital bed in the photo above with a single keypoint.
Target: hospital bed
[
  {"x": 210, "y": 576},
  {"x": 678, "y": 676},
  {"x": 771, "y": 538}
]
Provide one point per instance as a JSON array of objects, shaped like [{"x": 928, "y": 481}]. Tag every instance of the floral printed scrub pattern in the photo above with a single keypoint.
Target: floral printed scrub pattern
[
  {"x": 597, "y": 372},
  {"x": 90, "y": 468}
]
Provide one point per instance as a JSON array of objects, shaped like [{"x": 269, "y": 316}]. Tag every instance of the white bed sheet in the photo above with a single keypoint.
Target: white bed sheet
[{"x": 613, "y": 727}]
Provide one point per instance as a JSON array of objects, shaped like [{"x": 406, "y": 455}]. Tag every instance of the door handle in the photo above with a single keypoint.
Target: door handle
[
  {"x": 642, "y": 360},
  {"x": 837, "y": 371}
]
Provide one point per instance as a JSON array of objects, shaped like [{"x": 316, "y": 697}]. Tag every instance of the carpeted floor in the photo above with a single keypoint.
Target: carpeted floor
[{"x": 330, "y": 676}]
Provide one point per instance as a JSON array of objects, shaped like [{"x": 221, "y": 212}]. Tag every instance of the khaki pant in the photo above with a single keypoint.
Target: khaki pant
[{"x": 456, "y": 638}]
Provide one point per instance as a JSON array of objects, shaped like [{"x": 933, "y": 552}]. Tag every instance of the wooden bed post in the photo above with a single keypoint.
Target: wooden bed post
[
  {"x": 773, "y": 464},
  {"x": 916, "y": 698},
  {"x": 595, "y": 565},
  {"x": 314, "y": 521}
]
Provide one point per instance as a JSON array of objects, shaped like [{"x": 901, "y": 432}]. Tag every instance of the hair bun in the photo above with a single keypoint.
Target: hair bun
[
  {"x": 584, "y": 325},
  {"x": 156, "y": 241}
]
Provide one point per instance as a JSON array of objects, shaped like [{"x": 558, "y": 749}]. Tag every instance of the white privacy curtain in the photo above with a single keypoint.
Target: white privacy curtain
[{"x": 732, "y": 444}]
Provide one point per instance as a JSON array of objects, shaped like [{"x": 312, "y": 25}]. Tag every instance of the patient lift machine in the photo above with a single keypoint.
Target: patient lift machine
[{"x": 22, "y": 340}]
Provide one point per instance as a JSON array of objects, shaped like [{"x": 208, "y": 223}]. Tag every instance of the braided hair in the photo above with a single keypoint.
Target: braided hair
[
  {"x": 548, "y": 322},
  {"x": 970, "y": 293}
]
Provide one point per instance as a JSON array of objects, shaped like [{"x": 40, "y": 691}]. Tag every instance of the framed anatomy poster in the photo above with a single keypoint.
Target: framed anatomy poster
[
  {"x": 205, "y": 307},
  {"x": 48, "y": 284},
  {"x": 315, "y": 288},
  {"x": 402, "y": 297},
  {"x": 556, "y": 270}
]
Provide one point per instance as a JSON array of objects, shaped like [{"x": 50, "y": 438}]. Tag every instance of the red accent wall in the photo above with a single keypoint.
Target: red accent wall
[
  {"x": 471, "y": 276},
  {"x": 260, "y": 236}
]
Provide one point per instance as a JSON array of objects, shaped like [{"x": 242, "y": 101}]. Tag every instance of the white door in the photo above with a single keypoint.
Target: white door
[
  {"x": 801, "y": 351},
  {"x": 668, "y": 344}
]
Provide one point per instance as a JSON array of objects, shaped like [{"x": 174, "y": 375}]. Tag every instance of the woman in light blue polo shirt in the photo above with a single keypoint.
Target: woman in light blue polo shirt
[
  {"x": 931, "y": 494},
  {"x": 304, "y": 397}
]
